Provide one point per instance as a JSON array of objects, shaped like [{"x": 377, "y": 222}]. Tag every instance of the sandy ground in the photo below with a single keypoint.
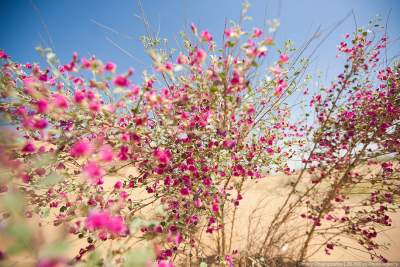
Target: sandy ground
[{"x": 269, "y": 193}]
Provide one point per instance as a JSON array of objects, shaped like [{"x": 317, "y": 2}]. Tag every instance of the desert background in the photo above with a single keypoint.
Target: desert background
[{"x": 261, "y": 199}]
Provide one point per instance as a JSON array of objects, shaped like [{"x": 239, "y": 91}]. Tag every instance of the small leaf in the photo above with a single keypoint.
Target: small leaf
[
  {"x": 44, "y": 212},
  {"x": 54, "y": 250},
  {"x": 135, "y": 225},
  {"x": 93, "y": 260},
  {"x": 52, "y": 179},
  {"x": 214, "y": 89},
  {"x": 43, "y": 160},
  {"x": 22, "y": 235},
  {"x": 13, "y": 202},
  {"x": 139, "y": 257}
]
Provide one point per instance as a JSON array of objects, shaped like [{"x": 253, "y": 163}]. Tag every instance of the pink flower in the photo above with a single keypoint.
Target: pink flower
[
  {"x": 106, "y": 153},
  {"x": 40, "y": 171},
  {"x": 283, "y": 59},
  {"x": 251, "y": 110},
  {"x": 215, "y": 206},
  {"x": 178, "y": 238},
  {"x": 228, "y": 32},
  {"x": 51, "y": 262},
  {"x": 118, "y": 185},
  {"x": 282, "y": 85},
  {"x": 27, "y": 123},
  {"x": 268, "y": 41},
  {"x": 94, "y": 106},
  {"x": 123, "y": 195},
  {"x": 42, "y": 106},
  {"x": 28, "y": 148},
  {"x": 123, "y": 153},
  {"x": 384, "y": 126},
  {"x": 110, "y": 66},
  {"x": 26, "y": 178},
  {"x": 22, "y": 111},
  {"x": 3, "y": 54},
  {"x": 85, "y": 63},
  {"x": 168, "y": 66},
  {"x": 60, "y": 101},
  {"x": 198, "y": 56},
  {"x": 185, "y": 115},
  {"x": 80, "y": 148},
  {"x": 198, "y": 203},
  {"x": 93, "y": 172},
  {"x": 135, "y": 91},
  {"x": 116, "y": 225},
  {"x": 201, "y": 55},
  {"x": 182, "y": 59},
  {"x": 229, "y": 144},
  {"x": 257, "y": 32},
  {"x": 121, "y": 81},
  {"x": 79, "y": 96},
  {"x": 236, "y": 79},
  {"x": 229, "y": 260},
  {"x": 387, "y": 166},
  {"x": 207, "y": 182},
  {"x": 194, "y": 28},
  {"x": 163, "y": 156},
  {"x": 206, "y": 36},
  {"x": 164, "y": 264},
  {"x": 102, "y": 220},
  {"x": 97, "y": 220},
  {"x": 29, "y": 84},
  {"x": 185, "y": 191},
  {"x": 40, "y": 124},
  {"x": 103, "y": 235},
  {"x": 167, "y": 181}
]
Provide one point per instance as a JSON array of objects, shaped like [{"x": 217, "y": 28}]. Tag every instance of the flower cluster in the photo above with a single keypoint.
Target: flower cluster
[{"x": 166, "y": 159}]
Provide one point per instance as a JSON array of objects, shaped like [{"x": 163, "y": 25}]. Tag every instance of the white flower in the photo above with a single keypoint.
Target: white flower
[{"x": 273, "y": 25}]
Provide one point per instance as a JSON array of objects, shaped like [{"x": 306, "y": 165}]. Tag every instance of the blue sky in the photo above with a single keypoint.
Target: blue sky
[{"x": 69, "y": 25}]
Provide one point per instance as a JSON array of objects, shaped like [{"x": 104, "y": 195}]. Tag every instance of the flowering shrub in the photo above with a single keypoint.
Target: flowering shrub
[
  {"x": 352, "y": 185},
  {"x": 80, "y": 142}
]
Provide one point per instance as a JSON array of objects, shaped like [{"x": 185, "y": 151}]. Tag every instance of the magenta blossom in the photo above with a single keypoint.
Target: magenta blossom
[
  {"x": 40, "y": 124},
  {"x": 80, "y": 148},
  {"x": 51, "y": 262},
  {"x": 110, "y": 66},
  {"x": 182, "y": 59},
  {"x": 60, "y": 101},
  {"x": 106, "y": 153},
  {"x": 206, "y": 36},
  {"x": 163, "y": 156},
  {"x": 94, "y": 172},
  {"x": 42, "y": 106},
  {"x": 121, "y": 81},
  {"x": 116, "y": 225},
  {"x": 257, "y": 32},
  {"x": 97, "y": 220},
  {"x": 3, "y": 55},
  {"x": 79, "y": 96},
  {"x": 164, "y": 264},
  {"x": 102, "y": 220},
  {"x": 28, "y": 148},
  {"x": 283, "y": 59}
]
